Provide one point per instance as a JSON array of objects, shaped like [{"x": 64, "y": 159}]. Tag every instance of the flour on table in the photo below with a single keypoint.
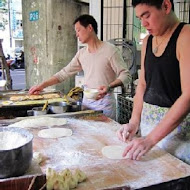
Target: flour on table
[
  {"x": 55, "y": 133},
  {"x": 113, "y": 152},
  {"x": 39, "y": 122}
]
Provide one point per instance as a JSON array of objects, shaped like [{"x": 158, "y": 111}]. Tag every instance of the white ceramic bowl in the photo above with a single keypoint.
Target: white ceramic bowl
[{"x": 90, "y": 93}]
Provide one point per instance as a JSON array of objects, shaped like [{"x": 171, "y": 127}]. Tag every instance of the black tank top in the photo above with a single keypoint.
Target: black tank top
[{"x": 162, "y": 74}]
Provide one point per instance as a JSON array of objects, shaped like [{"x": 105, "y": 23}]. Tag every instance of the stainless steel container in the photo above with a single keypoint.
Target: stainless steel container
[
  {"x": 58, "y": 107},
  {"x": 16, "y": 160},
  {"x": 38, "y": 111},
  {"x": 74, "y": 107}
]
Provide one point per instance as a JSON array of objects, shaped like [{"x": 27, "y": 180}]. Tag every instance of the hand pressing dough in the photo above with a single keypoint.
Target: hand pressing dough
[
  {"x": 113, "y": 152},
  {"x": 55, "y": 133}
]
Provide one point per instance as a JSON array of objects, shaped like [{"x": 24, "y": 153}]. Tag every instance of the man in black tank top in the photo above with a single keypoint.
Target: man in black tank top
[{"x": 163, "y": 89}]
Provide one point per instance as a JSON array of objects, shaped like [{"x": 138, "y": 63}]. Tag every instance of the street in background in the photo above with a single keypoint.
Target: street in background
[{"x": 18, "y": 79}]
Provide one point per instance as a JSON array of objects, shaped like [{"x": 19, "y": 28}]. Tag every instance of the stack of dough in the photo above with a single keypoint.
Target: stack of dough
[{"x": 63, "y": 180}]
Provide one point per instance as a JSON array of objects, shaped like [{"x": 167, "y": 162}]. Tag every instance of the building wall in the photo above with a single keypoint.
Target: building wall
[
  {"x": 49, "y": 41},
  {"x": 95, "y": 10}
]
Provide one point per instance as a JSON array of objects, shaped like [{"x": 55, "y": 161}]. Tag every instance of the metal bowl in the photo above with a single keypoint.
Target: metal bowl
[
  {"x": 15, "y": 151},
  {"x": 74, "y": 107},
  {"x": 38, "y": 111},
  {"x": 58, "y": 107}
]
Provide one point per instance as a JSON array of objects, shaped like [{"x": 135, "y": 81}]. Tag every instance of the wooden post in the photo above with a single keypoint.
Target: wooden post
[{"x": 5, "y": 69}]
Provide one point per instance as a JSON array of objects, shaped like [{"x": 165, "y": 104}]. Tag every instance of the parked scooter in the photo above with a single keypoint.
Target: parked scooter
[
  {"x": 10, "y": 62},
  {"x": 20, "y": 61},
  {"x": 17, "y": 62}
]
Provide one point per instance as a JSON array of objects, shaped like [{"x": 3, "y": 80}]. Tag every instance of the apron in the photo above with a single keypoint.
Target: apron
[
  {"x": 177, "y": 142},
  {"x": 107, "y": 104}
]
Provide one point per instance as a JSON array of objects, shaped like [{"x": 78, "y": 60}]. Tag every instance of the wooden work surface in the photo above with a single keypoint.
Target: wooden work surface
[{"x": 83, "y": 150}]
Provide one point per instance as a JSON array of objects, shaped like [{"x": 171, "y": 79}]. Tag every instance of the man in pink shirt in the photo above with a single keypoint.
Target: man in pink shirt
[{"x": 102, "y": 64}]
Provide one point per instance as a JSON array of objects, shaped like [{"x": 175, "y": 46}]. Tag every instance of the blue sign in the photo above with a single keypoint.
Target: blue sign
[
  {"x": 14, "y": 20},
  {"x": 18, "y": 34},
  {"x": 34, "y": 16}
]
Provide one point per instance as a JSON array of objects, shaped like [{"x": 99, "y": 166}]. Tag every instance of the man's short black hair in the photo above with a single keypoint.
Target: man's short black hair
[
  {"x": 85, "y": 20},
  {"x": 156, "y": 3}
]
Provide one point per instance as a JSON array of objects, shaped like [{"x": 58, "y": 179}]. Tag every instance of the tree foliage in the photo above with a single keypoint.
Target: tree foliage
[
  {"x": 3, "y": 3},
  {"x": 3, "y": 14}
]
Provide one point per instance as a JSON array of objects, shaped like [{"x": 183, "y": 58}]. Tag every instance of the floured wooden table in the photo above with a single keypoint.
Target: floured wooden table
[{"x": 83, "y": 150}]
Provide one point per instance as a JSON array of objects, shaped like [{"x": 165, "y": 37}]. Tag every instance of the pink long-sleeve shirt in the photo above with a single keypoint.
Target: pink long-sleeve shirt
[{"x": 100, "y": 68}]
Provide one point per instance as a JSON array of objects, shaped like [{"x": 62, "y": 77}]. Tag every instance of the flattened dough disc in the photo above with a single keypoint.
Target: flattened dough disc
[
  {"x": 55, "y": 133},
  {"x": 113, "y": 152},
  {"x": 39, "y": 122}
]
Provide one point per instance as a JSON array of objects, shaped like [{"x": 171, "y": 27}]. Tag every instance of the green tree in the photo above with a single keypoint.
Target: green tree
[{"x": 3, "y": 14}]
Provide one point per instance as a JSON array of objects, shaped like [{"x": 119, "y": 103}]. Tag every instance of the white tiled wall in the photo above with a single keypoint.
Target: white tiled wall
[{"x": 79, "y": 80}]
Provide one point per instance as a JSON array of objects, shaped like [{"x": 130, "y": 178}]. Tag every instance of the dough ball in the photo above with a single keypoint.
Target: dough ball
[
  {"x": 66, "y": 173},
  {"x": 51, "y": 176},
  {"x": 63, "y": 180},
  {"x": 80, "y": 175},
  {"x": 61, "y": 185},
  {"x": 72, "y": 181},
  {"x": 38, "y": 157},
  {"x": 50, "y": 173}
]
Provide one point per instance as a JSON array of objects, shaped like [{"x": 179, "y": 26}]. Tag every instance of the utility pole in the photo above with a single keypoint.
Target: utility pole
[{"x": 10, "y": 28}]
